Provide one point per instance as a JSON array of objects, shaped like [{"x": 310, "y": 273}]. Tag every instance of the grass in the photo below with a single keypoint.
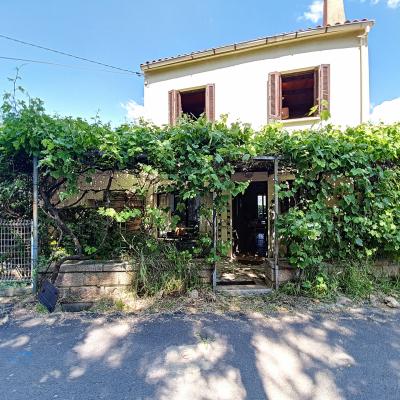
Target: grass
[
  {"x": 355, "y": 281},
  {"x": 388, "y": 286},
  {"x": 119, "y": 305},
  {"x": 41, "y": 309},
  {"x": 162, "y": 267},
  {"x": 107, "y": 305}
]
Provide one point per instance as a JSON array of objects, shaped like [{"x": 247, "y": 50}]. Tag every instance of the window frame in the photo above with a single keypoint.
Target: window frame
[
  {"x": 322, "y": 74},
  {"x": 175, "y": 103}
]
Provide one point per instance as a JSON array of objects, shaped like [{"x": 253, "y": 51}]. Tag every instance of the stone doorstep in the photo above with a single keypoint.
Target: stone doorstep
[{"x": 244, "y": 290}]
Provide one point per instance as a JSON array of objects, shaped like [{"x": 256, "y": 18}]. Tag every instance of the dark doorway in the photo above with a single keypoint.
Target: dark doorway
[
  {"x": 194, "y": 103},
  {"x": 250, "y": 220}
]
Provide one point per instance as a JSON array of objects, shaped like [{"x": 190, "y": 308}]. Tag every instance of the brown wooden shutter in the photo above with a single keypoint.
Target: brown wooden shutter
[
  {"x": 210, "y": 102},
  {"x": 324, "y": 86},
  {"x": 171, "y": 107},
  {"x": 174, "y": 106},
  {"x": 316, "y": 88},
  {"x": 274, "y": 96}
]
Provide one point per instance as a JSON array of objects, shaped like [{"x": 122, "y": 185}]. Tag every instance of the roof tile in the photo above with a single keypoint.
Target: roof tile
[{"x": 266, "y": 38}]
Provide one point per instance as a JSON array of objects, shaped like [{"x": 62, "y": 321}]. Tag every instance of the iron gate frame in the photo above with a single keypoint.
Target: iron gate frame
[{"x": 18, "y": 257}]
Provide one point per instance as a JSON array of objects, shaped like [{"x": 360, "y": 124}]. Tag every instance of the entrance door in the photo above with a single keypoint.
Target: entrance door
[{"x": 249, "y": 221}]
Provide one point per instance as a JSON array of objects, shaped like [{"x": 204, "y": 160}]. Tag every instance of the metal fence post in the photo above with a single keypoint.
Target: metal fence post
[
  {"x": 276, "y": 233},
  {"x": 35, "y": 235},
  {"x": 215, "y": 239}
]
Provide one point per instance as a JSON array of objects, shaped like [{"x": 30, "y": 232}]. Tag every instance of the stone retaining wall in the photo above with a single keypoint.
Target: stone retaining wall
[
  {"x": 204, "y": 270},
  {"x": 387, "y": 268},
  {"x": 89, "y": 281},
  {"x": 287, "y": 273},
  {"x": 93, "y": 280}
]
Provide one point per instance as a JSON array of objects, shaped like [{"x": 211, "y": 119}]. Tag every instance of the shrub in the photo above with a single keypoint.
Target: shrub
[
  {"x": 347, "y": 193},
  {"x": 161, "y": 267}
]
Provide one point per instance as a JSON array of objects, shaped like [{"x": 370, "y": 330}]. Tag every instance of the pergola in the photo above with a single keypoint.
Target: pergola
[{"x": 266, "y": 164}]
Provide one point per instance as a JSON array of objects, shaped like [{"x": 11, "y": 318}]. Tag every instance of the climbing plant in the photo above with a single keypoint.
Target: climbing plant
[
  {"x": 191, "y": 159},
  {"x": 348, "y": 191},
  {"x": 346, "y": 186}
]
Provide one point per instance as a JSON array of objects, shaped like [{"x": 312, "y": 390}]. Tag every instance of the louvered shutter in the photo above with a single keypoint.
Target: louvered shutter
[
  {"x": 171, "y": 107},
  {"x": 174, "y": 106},
  {"x": 324, "y": 87},
  {"x": 210, "y": 102},
  {"x": 316, "y": 88},
  {"x": 274, "y": 96}
]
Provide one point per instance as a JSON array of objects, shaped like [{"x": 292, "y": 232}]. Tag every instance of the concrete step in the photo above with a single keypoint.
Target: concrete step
[{"x": 244, "y": 290}]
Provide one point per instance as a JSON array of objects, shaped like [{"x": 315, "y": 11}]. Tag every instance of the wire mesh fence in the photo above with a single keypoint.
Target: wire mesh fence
[{"x": 15, "y": 251}]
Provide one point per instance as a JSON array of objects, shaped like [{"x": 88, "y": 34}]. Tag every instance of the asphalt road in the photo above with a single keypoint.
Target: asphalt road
[{"x": 312, "y": 356}]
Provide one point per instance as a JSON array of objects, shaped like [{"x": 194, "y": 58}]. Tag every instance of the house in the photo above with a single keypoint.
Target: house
[{"x": 277, "y": 78}]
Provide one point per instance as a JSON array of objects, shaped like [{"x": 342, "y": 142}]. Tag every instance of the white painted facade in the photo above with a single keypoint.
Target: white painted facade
[{"x": 240, "y": 75}]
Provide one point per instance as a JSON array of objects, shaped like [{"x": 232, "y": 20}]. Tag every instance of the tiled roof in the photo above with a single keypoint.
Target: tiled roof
[{"x": 262, "y": 41}]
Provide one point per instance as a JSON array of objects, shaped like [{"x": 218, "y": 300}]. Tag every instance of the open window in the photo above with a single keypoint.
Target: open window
[
  {"x": 292, "y": 95},
  {"x": 194, "y": 103},
  {"x": 188, "y": 212}
]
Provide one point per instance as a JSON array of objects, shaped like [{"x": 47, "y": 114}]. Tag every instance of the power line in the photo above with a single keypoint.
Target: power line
[
  {"x": 70, "y": 55},
  {"x": 61, "y": 65}
]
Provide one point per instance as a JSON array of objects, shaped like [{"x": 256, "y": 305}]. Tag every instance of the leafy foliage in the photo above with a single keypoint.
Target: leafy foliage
[
  {"x": 346, "y": 187},
  {"x": 161, "y": 267}
]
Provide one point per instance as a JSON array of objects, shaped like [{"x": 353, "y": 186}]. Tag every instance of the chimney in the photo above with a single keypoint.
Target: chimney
[{"x": 334, "y": 12}]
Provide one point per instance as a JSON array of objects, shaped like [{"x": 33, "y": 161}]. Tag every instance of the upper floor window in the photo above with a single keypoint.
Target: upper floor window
[
  {"x": 192, "y": 102},
  {"x": 294, "y": 94}
]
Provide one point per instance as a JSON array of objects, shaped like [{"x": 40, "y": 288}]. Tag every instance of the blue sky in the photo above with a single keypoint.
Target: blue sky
[{"x": 127, "y": 32}]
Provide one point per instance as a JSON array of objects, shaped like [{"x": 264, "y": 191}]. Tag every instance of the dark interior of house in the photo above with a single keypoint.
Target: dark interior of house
[
  {"x": 298, "y": 94},
  {"x": 193, "y": 103},
  {"x": 188, "y": 212},
  {"x": 250, "y": 216}
]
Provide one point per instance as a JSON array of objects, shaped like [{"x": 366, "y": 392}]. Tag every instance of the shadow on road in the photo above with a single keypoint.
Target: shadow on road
[{"x": 203, "y": 357}]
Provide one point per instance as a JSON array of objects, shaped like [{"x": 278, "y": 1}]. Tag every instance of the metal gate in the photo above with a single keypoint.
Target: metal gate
[{"x": 16, "y": 251}]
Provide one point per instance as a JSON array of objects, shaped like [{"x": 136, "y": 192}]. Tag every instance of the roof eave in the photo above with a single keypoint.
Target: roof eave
[{"x": 255, "y": 44}]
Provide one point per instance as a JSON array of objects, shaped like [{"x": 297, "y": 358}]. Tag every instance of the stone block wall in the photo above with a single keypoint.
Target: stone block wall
[
  {"x": 204, "y": 270},
  {"x": 287, "y": 273},
  {"x": 92, "y": 280},
  {"x": 387, "y": 268}
]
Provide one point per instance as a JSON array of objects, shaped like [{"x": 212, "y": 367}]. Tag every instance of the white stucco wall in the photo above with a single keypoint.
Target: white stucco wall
[{"x": 241, "y": 80}]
